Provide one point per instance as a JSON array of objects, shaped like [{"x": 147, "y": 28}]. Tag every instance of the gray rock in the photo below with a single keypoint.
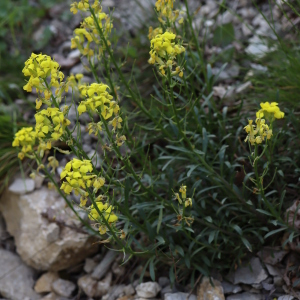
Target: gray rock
[
  {"x": 274, "y": 271},
  {"x": 129, "y": 290},
  {"x": 38, "y": 181},
  {"x": 243, "y": 274},
  {"x": 163, "y": 281},
  {"x": 75, "y": 54},
  {"x": 207, "y": 291},
  {"x": 258, "y": 47},
  {"x": 3, "y": 233},
  {"x": 53, "y": 296},
  {"x": 89, "y": 265},
  {"x": 278, "y": 281},
  {"x": 148, "y": 289},
  {"x": 87, "y": 148},
  {"x": 245, "y": 296},
  {"x": 115, "y": 292},
  {"x": 258, "y": 67},
  {"x": 233, "y": 70},
  {"x": 226, "y": 17},
  {"x": 168, "y": 290},
  {"x": 286, "y": 297},
  {"x": 40, "y": 242},
  {"x": 229, "y": 288},
  {"x": 267, "y": 286},
  {"x": 219, "y": 91},
  {"x": 16, "y": 279},
  {"x": 79, "y": 69},
  {"x": 271, "y": 255},
  {"x": 63, "y": 287},
  {"x": 94, "y": 288},
  {"x": 44, "y": 283},
  {"x": 117, "y": 269},
  {"x": 21, "y": 186},
  {"x": 244, "y": 87},
  {"x": 247, "y": 29},
  {"x": 179, "y": 296},
  {"x": 104, "y": 265},
  {"x": 257, "y": 286}
]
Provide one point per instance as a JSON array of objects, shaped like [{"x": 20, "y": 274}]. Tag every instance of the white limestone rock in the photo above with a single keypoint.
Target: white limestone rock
[
  {"x": 16, "y": 279},
  {"x": 43, "y": 244},
  {"x": 148, "y": 289}
]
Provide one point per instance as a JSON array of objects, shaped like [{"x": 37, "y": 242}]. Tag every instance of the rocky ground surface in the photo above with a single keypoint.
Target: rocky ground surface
[{"x": 44, "y": 251}]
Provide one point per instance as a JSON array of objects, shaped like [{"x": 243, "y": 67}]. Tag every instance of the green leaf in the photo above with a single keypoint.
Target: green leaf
[
  {"x": 246, "y": 243},
  {"x": 238, "y": 229},
  {"x": 179, "y": 250},
  {"x": 151, "y": 268},
  {"x": 264, "y": 212},
  {"x": 211, "y": 236},
  {"x": 208, "y": 219},
  {"x": 180, "y": 149},
  {"x": 192, "y": 168},
  {"x": 172, "y": 275},
  {"x": 187, "y": 261},
  {"x": 224, "y": 35},
  {"x": 274, "y": 232},
  {"x": 205, "y": 140},
  {"x": 160, "y": 216}
]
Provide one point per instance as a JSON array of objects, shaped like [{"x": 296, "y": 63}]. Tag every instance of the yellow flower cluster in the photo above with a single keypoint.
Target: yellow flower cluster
[
  {"x": 98, "y": 99},
  {"x": 24, "y": 138},
  {"x": 187, "y": 201},
  {"x": 88, "y": 31},
  {"x": 38, "y": 67},
  {"x": 78, "y": 177},
  {"x": 270, "y": 111},
  {"x": 257, "y": 133},
  {"x": 82, "y": 5},
  {"x": 154, "y": 32},
  {"x": 164, "y": 51},
  {"x": 107, "y": 214},
  {"x": 165, "y": 11},
  {"x": 50, "y": 120}
]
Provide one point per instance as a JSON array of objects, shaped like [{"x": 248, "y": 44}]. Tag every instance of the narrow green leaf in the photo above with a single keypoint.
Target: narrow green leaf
[
  {"x": 246, "y": 243},
  {"x": 151, "y": 268},
  {"x": 274, "y": 232}
]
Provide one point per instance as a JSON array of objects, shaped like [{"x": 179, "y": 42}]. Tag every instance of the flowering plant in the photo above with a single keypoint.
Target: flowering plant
[{"x": 165, "y": 189}]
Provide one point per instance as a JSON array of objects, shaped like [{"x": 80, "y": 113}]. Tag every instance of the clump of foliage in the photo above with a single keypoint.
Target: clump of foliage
[{"x": 177, "y": 183}]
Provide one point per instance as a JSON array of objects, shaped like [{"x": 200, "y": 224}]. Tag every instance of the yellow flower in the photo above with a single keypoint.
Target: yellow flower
[
  {"x": 120, "y": 140},
  {"x": 182, "y": 190},
  {"x": 25, "y": 138},
  {"x": 50, "y": 120},
  {"x": 164, "y": 52},
  {"x": 88, "y": 31},
  {"x": 97, "y": 98},
  {"x": 98, "y": 183},
  {"x": 178, "y": 198},
  {"x": 83, "y": 201},
  {"x": 106, "y": 211},
  {"x": 165, "y": 11},
  {"x": 122, "y": 235},
  {"x": 77, "y": 176},
  {"x": 53, "y": 163},
  {"x": 39, "y": 67},
  {"x": 38, "y": 103},
  {"x": 270, "y": 111},
  {"x": 257, "y": 133},
  {"x": 188, "y": 202},
  {"x": 154, "y": 32},
  {"x": 102, "y": 229}
]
